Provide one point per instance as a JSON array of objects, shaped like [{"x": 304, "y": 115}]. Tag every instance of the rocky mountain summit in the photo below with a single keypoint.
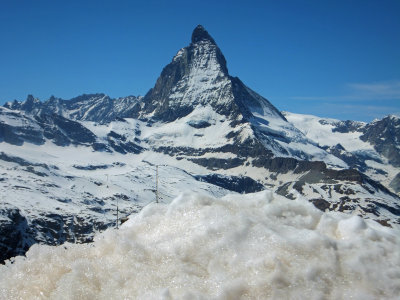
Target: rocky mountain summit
[
  {"x": 91, "y": 107},
  {"x": 66, "y": 165},
  {"x": 198, "y": 76},
  {"x": 384, "y": 135}
]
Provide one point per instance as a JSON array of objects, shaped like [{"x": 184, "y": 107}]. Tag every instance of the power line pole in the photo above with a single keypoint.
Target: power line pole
[
  {"x": 156, "y": 183},
  {"x": 117, "y": 204},
  {"x": 117, "y": 212}
]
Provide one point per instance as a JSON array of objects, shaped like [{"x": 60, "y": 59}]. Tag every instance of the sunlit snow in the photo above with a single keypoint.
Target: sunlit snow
[{"x": 254, "y": 246}]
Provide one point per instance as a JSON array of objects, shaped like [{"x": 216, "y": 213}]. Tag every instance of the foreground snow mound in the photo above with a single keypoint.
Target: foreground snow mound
[{"x": 240, "y": 246}]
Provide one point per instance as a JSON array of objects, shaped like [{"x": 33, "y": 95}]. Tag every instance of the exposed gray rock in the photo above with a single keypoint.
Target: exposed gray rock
[
  {"x": 347, "y": 126},
  {"x": 64, "y": 131},
  {"x": 199, "y": 124},
  {"x": 385, "y": 136},
  {"x": 23, "y": 162},
  {"x": 20, "y": 130},
  {"x": 239, "y": 184},
  {"x": 395, "y": 183},
  {"x": 16, "y": 236},
  {"x": 218, "y": 163}
]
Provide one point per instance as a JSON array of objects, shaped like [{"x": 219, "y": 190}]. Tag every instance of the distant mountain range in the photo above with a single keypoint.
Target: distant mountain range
[{"x": 67, "y": 164}]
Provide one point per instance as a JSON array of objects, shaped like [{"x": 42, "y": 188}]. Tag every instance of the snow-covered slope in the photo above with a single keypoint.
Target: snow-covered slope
[
  {"x": 206, "y": 129},
  {"x": 197, "y": 82},
  {"x": 258, "y": 246},
  {"x": 328, "y": 132},
  {"x": 69, "y": 192},
  {"x": 51, "y": 194},
  {"x": 372, "y": 148}
]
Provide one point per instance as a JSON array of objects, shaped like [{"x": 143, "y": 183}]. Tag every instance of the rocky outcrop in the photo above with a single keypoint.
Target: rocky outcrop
[
  {"x": 16, "y": 235},
  {"x": 395, "y": 183},
  {"x": 15, "y": 129},
  {"x": 87, "y": 107},
  {"x": 18, "y": 232},
  {"x": 64, "y": 132},
  {"x": 385, "y": 136},
  {"x": 239, "y": 184}
]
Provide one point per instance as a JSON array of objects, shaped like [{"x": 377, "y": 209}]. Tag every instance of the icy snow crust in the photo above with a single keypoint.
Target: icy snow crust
[{"x": 257, "y": 246}]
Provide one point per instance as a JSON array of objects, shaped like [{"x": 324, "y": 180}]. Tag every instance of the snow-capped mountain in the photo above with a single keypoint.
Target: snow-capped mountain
[
  {"x": 92, "y": 107},
  {"x": 65, "y": 163},
  {"x": 373, "y": 148},
  {"x": 196, "y": 87}
]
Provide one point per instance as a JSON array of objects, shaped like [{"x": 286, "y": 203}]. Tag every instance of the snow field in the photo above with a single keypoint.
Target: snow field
[
  {"x": 322, "y": 133},
  {"x": 240, "y": 246}
]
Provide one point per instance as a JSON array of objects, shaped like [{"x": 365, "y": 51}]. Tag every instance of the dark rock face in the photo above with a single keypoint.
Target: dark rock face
[
  {"x": 31, "y": 104},
  {"x": 14, "y": 105},
  {"x": 15, "y": 234},
  {"x": 91, "y": 167},
  {"x": 395, "y": 183},
  {"x": 17, "y": 135},
  {"x": 57, "y": 229},
  {"x": 321, "y": 204},
  {"x": 218, "y": 163},
  {"x": 120, "y": 144},
  {"x": 23, "y": 129},
  {"x": 284, "y": 165},
  {"x": 200, "y": 34},
  {"x": 385, "y": 136},
  {"x": 63, "y": 131},
  {"x": 346, "y": 126},
  {"x": 199, "y": 124},
  {"x": 239, "y": 184},
  {"x": 22, "y": 162},
  {"x": 245, "y": 99}
]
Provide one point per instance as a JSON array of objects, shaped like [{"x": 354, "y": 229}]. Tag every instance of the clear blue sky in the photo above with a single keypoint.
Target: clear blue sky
[{"x": 337, "y": 59}]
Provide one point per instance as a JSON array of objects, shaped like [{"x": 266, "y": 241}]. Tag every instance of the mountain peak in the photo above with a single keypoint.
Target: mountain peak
[
  {"x": 30, "y": 98},
  {"x": 200, "y": 34},
  {"x": 198, "y": 76}
]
